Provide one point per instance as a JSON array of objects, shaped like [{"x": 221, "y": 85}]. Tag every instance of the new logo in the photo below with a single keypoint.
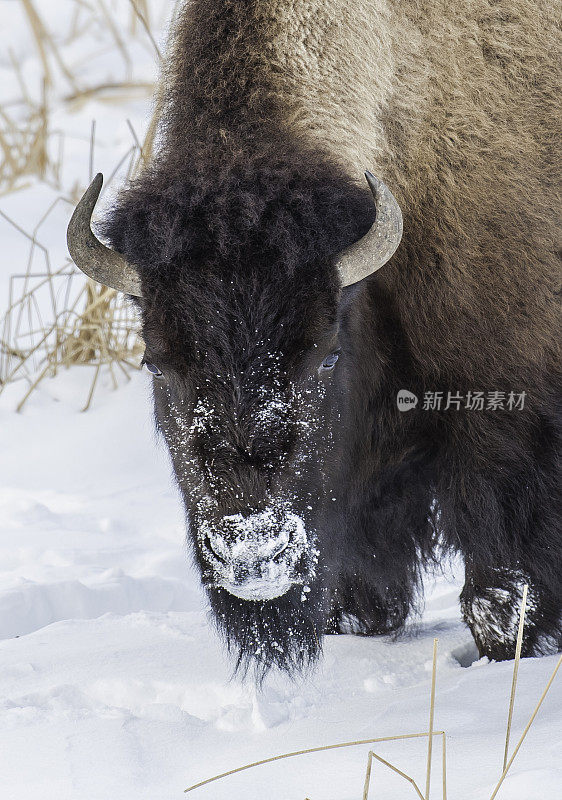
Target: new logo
[{"x": 406, "y": 400}]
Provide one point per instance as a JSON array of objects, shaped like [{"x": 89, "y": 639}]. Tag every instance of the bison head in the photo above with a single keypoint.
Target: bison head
[{"x": 239, "y": 289}]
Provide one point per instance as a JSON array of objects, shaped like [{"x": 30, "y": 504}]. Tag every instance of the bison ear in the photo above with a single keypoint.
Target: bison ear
[
  {"x": 373, "y": 250},
  {"x": 97, "y": 261}
]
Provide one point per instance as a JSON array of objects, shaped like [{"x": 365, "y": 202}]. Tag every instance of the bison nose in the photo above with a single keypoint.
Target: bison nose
[
  {"x": 257, "y": 557},
  {"x": 228, "y": 552}
]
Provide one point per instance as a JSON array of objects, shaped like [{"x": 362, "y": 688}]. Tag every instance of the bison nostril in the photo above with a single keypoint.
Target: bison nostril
[
  {"x": 213, "y": 550},
  {"x": 277, "y": 556}
]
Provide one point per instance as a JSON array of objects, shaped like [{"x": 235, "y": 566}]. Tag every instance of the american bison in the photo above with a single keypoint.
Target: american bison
[{"x": 252, "y": 244}]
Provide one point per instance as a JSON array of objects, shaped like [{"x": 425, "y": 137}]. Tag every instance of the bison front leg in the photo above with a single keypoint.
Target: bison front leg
[
  {"x": 368, "y": 611},
  {"x": 491, "y": 602},
  {"x": 388, "y": 534}
]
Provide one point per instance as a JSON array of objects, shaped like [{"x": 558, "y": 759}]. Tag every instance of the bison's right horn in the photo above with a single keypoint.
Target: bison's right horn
[
  {"x": 377, "y": 247},
  {"x": 97, "y": 261}
]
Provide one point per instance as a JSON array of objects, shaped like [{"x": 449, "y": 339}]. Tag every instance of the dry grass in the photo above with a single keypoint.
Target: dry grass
[
  {"x": 56, "y": 318},
  {"x": 25, "y": 146},
  {"x": 28, "y": 145}
]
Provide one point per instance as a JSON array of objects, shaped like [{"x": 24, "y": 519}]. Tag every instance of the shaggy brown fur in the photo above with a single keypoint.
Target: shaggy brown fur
[
  {"x": 271, "y": 111},
  {"x": 456, "y": 105}
]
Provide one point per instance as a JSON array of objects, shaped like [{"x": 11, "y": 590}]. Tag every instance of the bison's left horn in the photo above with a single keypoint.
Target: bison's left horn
[
  {"x": 97, "y": 261},
  {"x": 374, "y": 249}
]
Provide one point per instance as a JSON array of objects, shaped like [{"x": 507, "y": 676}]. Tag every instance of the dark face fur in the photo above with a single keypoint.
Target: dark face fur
[
  {"x": 250, "y": 412},
  {"x": 240, "y": 315}
]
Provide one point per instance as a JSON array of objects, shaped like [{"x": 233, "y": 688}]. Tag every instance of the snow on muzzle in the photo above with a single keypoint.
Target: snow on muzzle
[{"x": 259, "y": 556}]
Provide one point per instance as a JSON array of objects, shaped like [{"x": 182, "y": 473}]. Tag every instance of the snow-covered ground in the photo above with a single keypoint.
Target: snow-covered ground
[{"x": 113, "y": 683}]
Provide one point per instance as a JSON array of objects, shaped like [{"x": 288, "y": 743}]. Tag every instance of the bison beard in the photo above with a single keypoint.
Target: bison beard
[{"x": 284, "y": 633}]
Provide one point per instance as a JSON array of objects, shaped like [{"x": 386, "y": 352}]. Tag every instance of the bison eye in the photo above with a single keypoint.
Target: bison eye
[
  {"x": 152, "y": 368},
  {"x": 330, "y": 361}
]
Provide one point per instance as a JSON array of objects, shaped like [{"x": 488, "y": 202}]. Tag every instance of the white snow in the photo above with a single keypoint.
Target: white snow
[{"x": 113, "y": 682}]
